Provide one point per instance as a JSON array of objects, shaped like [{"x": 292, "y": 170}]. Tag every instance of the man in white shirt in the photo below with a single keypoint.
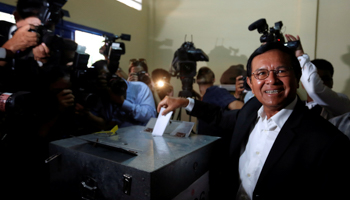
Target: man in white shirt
[
  {"x": 318, "y": 83},
  {"x": 279, "y": 148}
]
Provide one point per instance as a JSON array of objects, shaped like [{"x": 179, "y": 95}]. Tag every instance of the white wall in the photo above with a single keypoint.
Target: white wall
[{"x": 333, "y": 43}]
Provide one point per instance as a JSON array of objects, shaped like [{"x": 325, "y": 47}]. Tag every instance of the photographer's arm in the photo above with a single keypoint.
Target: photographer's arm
[
  {"x": 98, "y": 122},
  {"x": 21, "y": 40},
  {"x": 313, "y": 84},
  {"x": 121, "y": 73}
]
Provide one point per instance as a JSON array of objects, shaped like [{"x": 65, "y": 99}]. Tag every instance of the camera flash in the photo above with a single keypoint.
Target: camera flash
[{"x": 160, "y": 83}]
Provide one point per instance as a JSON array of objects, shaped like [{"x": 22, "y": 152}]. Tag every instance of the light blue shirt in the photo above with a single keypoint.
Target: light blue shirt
[{"x": 137, "y": 109}]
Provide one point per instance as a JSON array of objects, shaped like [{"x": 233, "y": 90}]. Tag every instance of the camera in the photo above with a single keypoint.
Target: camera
[
  {"x": 245, "y": 84},
  {"x": 184, "y": 65},
  {"x": 272, "y": 34},
  {"x": 9, "y": 102},
  {"x": 87, "y": 86},
  {"x": 84, "y": 80},
  {"x": 141, "y": 76},
  {"x": 50, "y": 13},
  {"x": 114, "y": 50}
]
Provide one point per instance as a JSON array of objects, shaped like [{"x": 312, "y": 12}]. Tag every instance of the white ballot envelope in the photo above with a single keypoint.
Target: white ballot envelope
[{"x": 161, "y": 123}]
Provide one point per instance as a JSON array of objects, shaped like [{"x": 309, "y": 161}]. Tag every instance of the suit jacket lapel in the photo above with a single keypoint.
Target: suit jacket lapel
[
  {"x": 284, "y": 138},
  {"x": 244, "y": 123}
]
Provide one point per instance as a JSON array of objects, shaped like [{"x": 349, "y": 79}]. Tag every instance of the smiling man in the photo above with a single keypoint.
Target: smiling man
[{"x": 278, "y": 149}]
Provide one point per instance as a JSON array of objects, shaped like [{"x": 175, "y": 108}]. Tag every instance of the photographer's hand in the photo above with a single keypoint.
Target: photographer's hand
[
  {"x": 172, "y": 103},
  {"x": 299, "y": 51},
  {"x": 22, "y": 39},
  {"x": 41, "y": 53},
  {"x": 239, "y": 87},
  {"x": 65, "y": 99},
  {"x": 133, "y": 77}
]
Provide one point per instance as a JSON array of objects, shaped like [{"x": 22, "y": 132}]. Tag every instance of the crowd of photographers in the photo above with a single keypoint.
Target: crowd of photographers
[{"x": 48, "y": 93}]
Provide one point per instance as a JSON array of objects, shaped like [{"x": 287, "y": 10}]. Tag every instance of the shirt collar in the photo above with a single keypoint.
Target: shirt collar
[
  {"x": 12, "y": 31},
  {"x": 310, "y": 104},
  {"x": 281, "y": 117}
]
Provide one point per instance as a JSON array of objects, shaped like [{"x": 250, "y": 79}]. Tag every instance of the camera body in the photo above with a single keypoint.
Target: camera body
[
  {"x": 272, "y": 34},
  {"x": 84, "y": 80},
  {"x": 185, "y": 58},
  {"x": 141, "y": 76},
  {"x": 185, "y": 66},
  {"x": 86, "y": 85}
]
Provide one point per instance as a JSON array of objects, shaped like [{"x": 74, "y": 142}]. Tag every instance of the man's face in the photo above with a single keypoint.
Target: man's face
[
  {"x": 29, "y": 20},
  {"x": 274, "y": 92},
  {"x": 136, "y": 69},
  {"x": 133, "y": 73}
]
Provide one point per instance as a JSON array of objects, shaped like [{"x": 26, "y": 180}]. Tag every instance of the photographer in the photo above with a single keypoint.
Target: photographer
[
  {"x": 26, "y": 16},
  {"x": 317, "y": 80},
  {"x": 161, "y": 80},
  {"x": 138, "y": 71},
  {"x": 122, "y": 103}
]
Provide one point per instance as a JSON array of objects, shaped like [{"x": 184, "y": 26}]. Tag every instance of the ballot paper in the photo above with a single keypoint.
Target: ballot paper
[{"x": 161, "y": 123}]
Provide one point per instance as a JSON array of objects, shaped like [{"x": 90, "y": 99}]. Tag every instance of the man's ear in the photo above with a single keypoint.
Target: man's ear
[
  {"x": 16, "y": 15},
  {"x": 250, "y": 84}
]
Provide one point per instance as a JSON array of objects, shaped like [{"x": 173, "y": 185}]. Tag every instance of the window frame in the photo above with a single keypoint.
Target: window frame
[{"x": 64, "y": 28}]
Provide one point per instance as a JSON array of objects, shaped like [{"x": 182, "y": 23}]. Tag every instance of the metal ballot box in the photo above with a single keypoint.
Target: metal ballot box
[{"x": 131, "y": 164}]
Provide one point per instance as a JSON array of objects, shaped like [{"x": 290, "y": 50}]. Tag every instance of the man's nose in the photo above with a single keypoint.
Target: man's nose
[{"x": 272, "y": 78}]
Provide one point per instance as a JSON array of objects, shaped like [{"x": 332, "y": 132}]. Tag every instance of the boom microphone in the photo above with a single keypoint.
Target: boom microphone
[{"x": 259, "y": 23}]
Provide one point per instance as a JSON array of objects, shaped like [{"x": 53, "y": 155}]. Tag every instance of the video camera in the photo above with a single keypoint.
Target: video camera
[
  {"x": 114, "y": 50},
  {"x": 273, "y": 34},
  {"x": 184, "y": 65}
]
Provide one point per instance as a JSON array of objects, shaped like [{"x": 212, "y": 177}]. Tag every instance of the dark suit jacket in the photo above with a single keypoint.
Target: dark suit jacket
[
  {"x": 4, "y": 31},
  {"x": 310, "y": 158}
]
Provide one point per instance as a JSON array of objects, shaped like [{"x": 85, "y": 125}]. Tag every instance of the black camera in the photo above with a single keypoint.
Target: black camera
[
  {"x": 118, "y": 85},
  {"x": 114, "y": 50},
  {"x": 50, "y": 13},
  {"x": 184, "y": 65},
  {"x": 84, "y": 80},
  {"x": 272, "y": 34},
  {"x": 9, "y": 102},
  {"x": 86, "y": 83},
  {"x": 141, "y": 76}
]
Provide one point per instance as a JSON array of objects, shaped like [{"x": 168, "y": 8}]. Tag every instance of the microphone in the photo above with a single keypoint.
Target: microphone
[{"x": 259, "y": 23}]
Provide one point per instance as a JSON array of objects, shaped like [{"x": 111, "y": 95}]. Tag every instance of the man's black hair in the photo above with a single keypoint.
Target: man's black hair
[
  {"x": 29, "y": 8},
  {"x": 100, "y": 64},
  {"x": 279, "y": 46},
  {"x": 323, "y": 65}
]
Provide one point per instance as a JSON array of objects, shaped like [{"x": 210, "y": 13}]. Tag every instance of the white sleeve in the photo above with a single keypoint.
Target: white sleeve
[
  {"x": 190, "y": 105},
  {"x": 321, "y": 94},
  {"x": 2, "y": 53}
]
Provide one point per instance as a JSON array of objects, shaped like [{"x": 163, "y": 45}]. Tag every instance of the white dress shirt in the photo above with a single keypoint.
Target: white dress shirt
[{"x": 259, "y": 145}]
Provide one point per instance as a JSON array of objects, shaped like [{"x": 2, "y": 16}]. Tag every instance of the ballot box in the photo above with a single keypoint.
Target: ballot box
[{"x": 130, "y": 164}]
